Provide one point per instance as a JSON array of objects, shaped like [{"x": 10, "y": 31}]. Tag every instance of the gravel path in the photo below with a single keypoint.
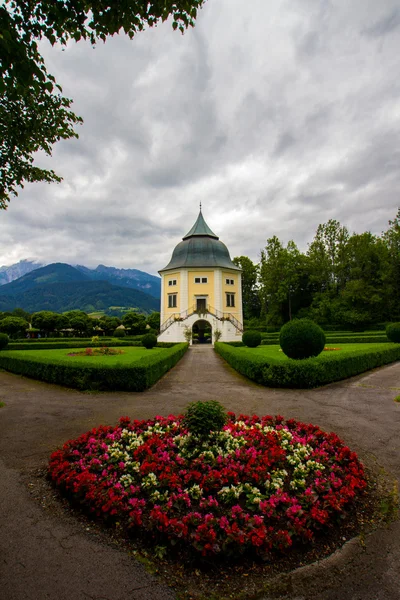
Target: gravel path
[{"x": 47, "y": 556}]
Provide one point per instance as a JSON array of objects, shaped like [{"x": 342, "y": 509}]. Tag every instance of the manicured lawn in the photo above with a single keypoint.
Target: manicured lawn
[
  {"x": 270, "y": 367},
  {"x": 136, "y": 369},
  {"x": 130, "y": 355},
  {"x": 273, "y": 353}
]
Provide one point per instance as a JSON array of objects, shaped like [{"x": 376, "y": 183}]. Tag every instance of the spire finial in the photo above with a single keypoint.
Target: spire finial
[{"x": 200, "y": 206}]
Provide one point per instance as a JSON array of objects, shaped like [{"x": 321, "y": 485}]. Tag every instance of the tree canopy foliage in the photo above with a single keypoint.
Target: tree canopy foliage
[
  {"x": 348, "y": 280},
  {"x": 33, "y": 112}
]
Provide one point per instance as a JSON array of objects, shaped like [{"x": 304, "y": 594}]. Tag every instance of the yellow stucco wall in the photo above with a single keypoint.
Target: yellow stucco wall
[
  {"x": 201, "y": 289},
  {"x": 232, "y": 289},
  {"x": 171, "y": 289}
]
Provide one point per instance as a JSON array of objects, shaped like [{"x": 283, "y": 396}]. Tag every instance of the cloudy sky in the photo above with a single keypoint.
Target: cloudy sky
[{"x": 277, "y": 116}]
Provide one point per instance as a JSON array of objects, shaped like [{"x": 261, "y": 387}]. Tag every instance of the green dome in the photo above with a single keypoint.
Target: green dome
[{"x": 200, "y": 248}]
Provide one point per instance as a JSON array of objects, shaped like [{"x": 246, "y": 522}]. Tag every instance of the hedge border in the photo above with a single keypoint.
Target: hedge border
[
  {"x": 60, "y": 345},
  {"x": 381, "y": 339},
  {"x": 136, "y": 378},
  {"x": 310, "y": 372}
]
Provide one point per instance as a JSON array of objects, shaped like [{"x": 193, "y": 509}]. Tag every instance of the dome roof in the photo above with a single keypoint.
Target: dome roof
[{"x": 200, "y": 248}]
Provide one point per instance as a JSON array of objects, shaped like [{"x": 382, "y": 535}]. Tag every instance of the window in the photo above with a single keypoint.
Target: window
[
  {"x": 172, "y": 300},
  {"x": 204, "y": 280},
  {"x": 201, "y": 279},
  {"x": 197, "y": 279},
  {"x": 172, "y": 282},
  {"x": 230, "y": 300},
  {"x": 230, "y": 281}
]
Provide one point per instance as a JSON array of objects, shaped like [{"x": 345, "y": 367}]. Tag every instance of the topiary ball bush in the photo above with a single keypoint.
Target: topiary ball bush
[
  {"x": 3, "y": 341},
  {"x": 149, "y": 341},
  {"x": 205, "y": 416},
  {"x": 301, "y": 338},
  {"x": 119, "y": 333},
  {"x": 393, "y": 332},
  {"x": 252, "y": 339}
]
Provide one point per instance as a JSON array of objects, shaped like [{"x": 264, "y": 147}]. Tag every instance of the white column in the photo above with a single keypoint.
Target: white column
[
  {"x": 218, "y": 289},
  {"x": 184, "y": 299}
]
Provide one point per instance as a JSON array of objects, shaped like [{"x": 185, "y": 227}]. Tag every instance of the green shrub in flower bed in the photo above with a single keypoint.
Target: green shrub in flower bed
[
  {"x": 268, "y": 365},
  {"x": 258, "y": 485},
  {"x": 135, "y": 369}
]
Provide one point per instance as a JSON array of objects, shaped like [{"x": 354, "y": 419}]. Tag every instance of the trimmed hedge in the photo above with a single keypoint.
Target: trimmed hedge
[
  {"x": 103, "y": 339},
  {"x": 136, "y": 378},
  {"x": 307, "y": 373},
  {"x": 348, "y": 339}
]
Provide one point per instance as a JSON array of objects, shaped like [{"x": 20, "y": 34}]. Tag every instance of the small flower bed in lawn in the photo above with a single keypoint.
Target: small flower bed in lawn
[
  {"x": 103, "y": 351},
  {"x": 259, "y": 484}
]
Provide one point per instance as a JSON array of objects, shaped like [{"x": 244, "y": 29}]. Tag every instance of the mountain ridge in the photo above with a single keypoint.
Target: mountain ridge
[
  {"x": 130, "y": 278},
  {"x": 60, "y": 287}
]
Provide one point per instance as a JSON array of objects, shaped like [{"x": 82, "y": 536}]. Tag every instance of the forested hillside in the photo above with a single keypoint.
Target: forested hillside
[{"x": 345, "y": 279}]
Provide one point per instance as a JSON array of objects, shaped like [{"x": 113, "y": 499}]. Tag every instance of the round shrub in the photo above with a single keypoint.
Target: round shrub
[
  {"x": 393, "y": 332},
  {"x": 205, "y": 416},
  {"x": 3, "y": 341},
  {"x": 252, "y": 339},
  {"x": 149, "y": 341},
  {"x": 301, "y": 338},
  {"x": 120, "y": 333}
]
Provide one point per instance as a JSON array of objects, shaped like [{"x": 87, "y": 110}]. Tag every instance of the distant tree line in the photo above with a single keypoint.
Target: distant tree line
[
  {"x": 20, "y": 323},
  {"x": 346, "y": 280}
]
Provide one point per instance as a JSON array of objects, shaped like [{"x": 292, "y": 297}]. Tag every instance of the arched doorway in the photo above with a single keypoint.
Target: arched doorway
[{"x": 202, "y": 332}]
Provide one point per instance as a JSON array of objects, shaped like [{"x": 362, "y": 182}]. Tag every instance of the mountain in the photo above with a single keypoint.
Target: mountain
[
  {"x": 131, "y": 278},
  {"x": 8, "y": 274},
  {"x": 54, "y": 273},
  {"x": 60, "y": 287}
]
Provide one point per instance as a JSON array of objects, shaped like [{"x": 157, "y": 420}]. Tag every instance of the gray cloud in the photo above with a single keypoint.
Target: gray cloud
[
  {"x": 276, "y": 120},
  {"x": 385, "y": 25}
]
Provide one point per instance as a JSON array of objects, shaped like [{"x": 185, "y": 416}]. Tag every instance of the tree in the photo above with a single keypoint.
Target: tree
[
  {"x": 109, "y": 324},
  {"x": 33, "y": 112},
  {"x": 14, "y": 326},
  {"x": 81, "y": 325},
  {"x": 327, "y": 254},
  {"x": 135, "y": 322},
  {"x": 45, "y": 320},
  {"x": 391, "y": 239},
  {"x": 280, "y": 270},
  {"x": 20, "y": 312},
  {"x": 154, "y": 320},
  {"x": 250, "y": 297},
  {"x": 79, "y": 321}
]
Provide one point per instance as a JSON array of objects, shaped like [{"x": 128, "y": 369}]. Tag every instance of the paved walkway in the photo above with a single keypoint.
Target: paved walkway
[{"x": 49, "y": 556}]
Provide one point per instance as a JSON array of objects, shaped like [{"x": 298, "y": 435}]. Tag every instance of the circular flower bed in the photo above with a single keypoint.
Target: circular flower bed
[{"x": 261, "y": 483}]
